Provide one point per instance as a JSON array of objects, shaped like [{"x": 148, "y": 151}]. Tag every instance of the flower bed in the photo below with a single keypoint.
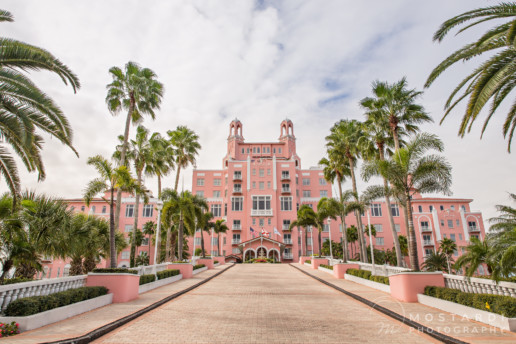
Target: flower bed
[
  {"x": 368, "y": 275},
  {"x": 36, "y": 304},
  {"x": 499, "y": 304},
  {"x": 198, "y": 266},
  {"x": 167, "y": 273},
  {"x": 114, "y": 271},
  {"x": 327, "y": 266},
  {"x": 10, "y": 329},
  {"x": 144, "y": 279}
]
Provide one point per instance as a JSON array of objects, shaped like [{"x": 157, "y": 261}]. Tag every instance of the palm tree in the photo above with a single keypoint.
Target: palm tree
[
  {"x": 502, "y": 237},
  {"x": 161, "y": 159},
  {"x": 219, "y": 226},
  {"x": 110, "y": 179},
  {"x": 137, "y": 91},
  {"x": 477, "y": 253},
  {"x": 343, "y": 140},
  {"x": 204, "y": 224},
  {"x": 411, "y": 170},
  {"x": 436, "y": 261},
  {"x": 326, "y": 208},
  {"x": 26, "y": 108},
  {"x": 149, "y": 228},
  {"x": 494, "y": 78},
  {"x": 352, "y": 236},
  {"x": 306, "y": 217},
  {"x": 186, "y": 146},
  {"x": 447, "y": 247}
]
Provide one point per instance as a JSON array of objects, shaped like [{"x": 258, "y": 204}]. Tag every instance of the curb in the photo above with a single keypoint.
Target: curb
[
  {"x": 101, "y": 331},
  {"x": 419, "y": 327}
]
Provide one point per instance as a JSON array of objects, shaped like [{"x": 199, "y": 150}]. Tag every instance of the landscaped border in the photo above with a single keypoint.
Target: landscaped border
[
  {"x": 159, "y": 283},
  {"x": 368, "y": 283}
]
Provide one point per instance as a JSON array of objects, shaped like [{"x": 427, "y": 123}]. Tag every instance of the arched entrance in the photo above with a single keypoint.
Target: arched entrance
[
  {"x": 261, "y": 252},
  {"x": 249, "y": 254},
  {"x": 274, "y": 254}
]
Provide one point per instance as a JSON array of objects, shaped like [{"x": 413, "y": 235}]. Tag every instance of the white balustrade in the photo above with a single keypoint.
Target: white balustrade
[
  {"x": 380, "y": 270},
  {"x": 11, "y": 292},
  {"x": 480, "y": 285},
  {"x": 149, "y": 269}
]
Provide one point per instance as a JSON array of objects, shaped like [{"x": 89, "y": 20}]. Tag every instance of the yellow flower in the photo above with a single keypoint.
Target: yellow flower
[{"x": 487, "y": 306}]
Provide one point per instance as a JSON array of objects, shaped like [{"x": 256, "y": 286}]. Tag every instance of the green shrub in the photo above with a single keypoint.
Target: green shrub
[
  {"x": 167, "y": 273},
  {"x": 180, "y": 262},
  {"x": 15, "y": 280},
  {"x": 499, "y": 304},
  {"x": 308, "y": 261},
  {"x": 367, "y": 275},
  {"x": 327, "y": 266},
  {"x": 198, "y": 266},
  {"x": 215, "y": 262},
  {"x": 36, "y": 304},
  {"x": 144, "y": 279},
  {"x": 114, "y": 271}
]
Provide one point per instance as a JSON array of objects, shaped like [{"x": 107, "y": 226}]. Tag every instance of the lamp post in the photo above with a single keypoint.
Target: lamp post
[
  {"x": 371, "y": 240},
  {"x": 159, "y": 205},
  {"x": 329, "y": 231}
]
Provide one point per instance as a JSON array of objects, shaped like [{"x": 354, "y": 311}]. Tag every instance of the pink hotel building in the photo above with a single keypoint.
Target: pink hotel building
[{"x": 260, "y": 186}]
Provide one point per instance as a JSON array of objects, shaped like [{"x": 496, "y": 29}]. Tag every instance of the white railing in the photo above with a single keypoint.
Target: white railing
[
  {"x": 381, "y": 270},
  {"x": 426, "y": 229},
  {"x": 11, "y": 292},
  {"x": 264, "y": 212},
  {"x": 287, "y": 256},
  {"x": 149, "y": 269},
  {"x": 474, "y": 229},
  {"x": 237, "y": 176},
  {"x": 285, "y": 177},
  {"x": 236, "y": 227},
  {"x": 237, "y": 189},
  {"x": 235, "y": 241},
  {"x": 285, "y": 189},
  {"x": 479, "y": 285},
  {"x": 428, "y": 242},
  {"x": 287, "y": 241}
]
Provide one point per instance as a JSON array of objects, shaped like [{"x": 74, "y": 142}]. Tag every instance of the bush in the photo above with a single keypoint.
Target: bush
[
  {"x": 215, "y": 262},
  {"x": 167, "y": 273},
  {"x": 15, "y": 280},
  {"x": 327, "y": 266},
  {"x": 37, "y": 304},
  {"x": 499, "y": 304},
  {"x": 367, "y": 275},
  {"x": 7, "y": 330},
  {"x": 114, "y": 271},
  {"x": 180, "y": 262},
  {"x": 198, "y": 266},
  {"x": 144, "y": 279},
  {"x": 308, "y": 261}
]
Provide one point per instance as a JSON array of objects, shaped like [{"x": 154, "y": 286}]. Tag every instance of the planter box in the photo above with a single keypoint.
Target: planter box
[
  {"x": 308, "y": 264},
  {"x": 206, "y": 261},
  {"x": 216, "y": 264},
  {"x": 406, "y": 285},
  {"x": 159, "y": 283},
  {"x": 196, "y": 271},
  {"x": 340, "y": 269},
  {"x": 58, "y": 314},
  {"x": 368, "y": 283},
  {"x": 124, "y": 287},
  {"x": 303, "y": 259},
  {"x": 329, "y": 271},
  {"x": 184, "y": 269},
  {"x": 221, "y": 259},
  {"x": 318, "y": 261},
  {"x": 485, "y": 317}
]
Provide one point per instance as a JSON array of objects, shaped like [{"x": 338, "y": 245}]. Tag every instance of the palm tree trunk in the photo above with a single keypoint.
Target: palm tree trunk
[
  {"x": 159, "y": 185},
  {"x": 306, "y": 241},
  {"x": 177, "y": 177},
  {"x": 112, "y": 248},
  {"x": 361, "y": 239},
  {"x": 135, "y": 226},
  {"x": 320, "y": 245},
  {"x": 180, "y": 238},
  {"x": 414, "y": 263},
  {"x": 393, "y": 125},
  {"x": 345, "y": 255},
  {"x": 168, "y": 244},
  {"x": 218, "y": 244},
  {"x": 202, "y": 244}
]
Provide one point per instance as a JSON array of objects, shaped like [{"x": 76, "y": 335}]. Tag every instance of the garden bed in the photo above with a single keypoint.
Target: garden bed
[
  {"x": 197, "y": 270},
  {"x": 325, "y": 269},
  {"x": 159, "y": 283},
  {"x": 368, "y": 283}
]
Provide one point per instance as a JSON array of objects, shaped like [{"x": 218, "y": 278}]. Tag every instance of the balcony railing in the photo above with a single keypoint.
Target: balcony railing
[
  {"x": 237, "y": 227},
  {"x": 285, "y": 190},
  {"x": 426, "y": 229},
  {"x": 261, "y": 212},
  {"x": 474, "y": 229},
  {"x": 480, "y": 285},
  {"x": 288, "y": 256},
  {"x": 237, "y": 190},
  {"x": 285, "y": 176},
  {"x": 285, "y": 227},
  {"x": 287, "y": 241},
  {"x": 428, "y": 242},
  {"x": 237, "y": 176},
  {"x": 235, "y": 241}
]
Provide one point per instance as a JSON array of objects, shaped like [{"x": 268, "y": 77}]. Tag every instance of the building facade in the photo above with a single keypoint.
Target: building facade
[{"x": 262, "y": 184}]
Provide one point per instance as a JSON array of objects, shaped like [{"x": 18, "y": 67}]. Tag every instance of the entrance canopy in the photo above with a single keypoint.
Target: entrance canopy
[{"x": 262, "y": 247}]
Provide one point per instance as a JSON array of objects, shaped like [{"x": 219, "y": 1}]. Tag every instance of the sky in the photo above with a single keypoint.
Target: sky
[{"x": 260, "y": 61}]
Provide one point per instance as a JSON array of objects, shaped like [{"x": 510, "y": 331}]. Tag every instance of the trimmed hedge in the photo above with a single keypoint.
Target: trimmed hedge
[
  {"x": 499, "y": 304},
  {"x": 114, "y": 271},
  {"x": 327, "y": 266},
  {"x": 308, "y": 261},
  {"x": 37, "y": 304},
  {"x": 215, "y": 262},
  {"x": 167, "y": 273},
  {"x": 368, "y": 276},
  {"x": 198, "y": 266},
  {"x": 144, "y": 279},
  {"x": 15, "y": 280},
  {"x": 180, "y": 262}
]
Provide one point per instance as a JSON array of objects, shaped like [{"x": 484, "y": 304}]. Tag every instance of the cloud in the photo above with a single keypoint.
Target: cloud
[{"x": 260, "y": 61}]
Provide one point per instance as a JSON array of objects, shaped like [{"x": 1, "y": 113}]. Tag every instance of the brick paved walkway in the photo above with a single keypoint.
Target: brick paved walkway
[{"x": 255, "y": 303}]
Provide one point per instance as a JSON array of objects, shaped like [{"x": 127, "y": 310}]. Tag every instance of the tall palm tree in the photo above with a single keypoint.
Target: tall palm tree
[
  {"x": 447, "y": 247},
  {"x": 306, "y": 217},
  {"x": 136, "y": 91},
  {"x": 495, "y": 78},
  {"x": 502, "y": 237},
  {"x": 352, "y": 236},
  {"x": 205, "y": 225},
  {"x": 478, "y": 252},
  {"x": 219, "y": 226},
  {"x": 109, "y": 180},
  {"x": 411, "y": 170},
  {"x": 326, "y": 208},
  {"x": 149, "y": 228},
  {"x": 343, "y": 140},
  {"x": 436, "y": 261},
  {"x": 186, "y": 146},
  {"x": 25, "y": 108},
  {"x": 161, "y": 159}
]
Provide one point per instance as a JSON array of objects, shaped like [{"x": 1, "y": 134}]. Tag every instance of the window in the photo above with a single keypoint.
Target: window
[
  {"x": 237, "y": 175},
  {"x": 463, "y": 207},
  {"x": 261, "y": 222},
  {"x": 148, "y": 209},
  {"x": 424, "y": 225},
  {"x": 323, "y": 193},
  {"x": 285, "y": 187},
  {"x": 455, "y": 253},
  {"x": 457, "y": 223},
  {"x": 287, "y": 238},
  {"x": 326, "y": 227},
  {"x": 216, "y": 210},
  {"x": 306, "y": 181},
  {"x": 307, "y": 193},
  {"x": 225, "y": 209},
  {"x": 428, "y": 251},
  {"x": 431, "y": 208},
  {"x": 224, "y": 241},
  {"x": 442, "y": 223},
  {"x": 472, "y": 225},
  {"x": 254, "y": 185},
  {"x": 236, "y": 224},
  {"x": 216, "y": 194},
  {"x": 299, "y": 241},
  {"x": 237, "y": 203},
  {"x": 237, "y": 187},
  {"x": 243, "y": 150},
  {"x": 286, "y": 225},
  {"x": 104, "y": 209},
  {"x": 452, "y": 207},
  {"x": 200, "y": 182},
  {"x": 129, "y": 210},
  {"x": 395, "y": 210},
  {"x": 444, "y": 236},
  {"x": 236, "y": 238},
  {"x": 126, "y": 254},
  {"x": 379, "y": 228},
  {"x": 450, "y": 223},
  {"x": 262, "y": 172},
  {"x": 197, "y": 241},
  {"x": 257, "y": 149},
  {"x": 269, "y": 221},
  {"x": 254, "y": 149},
  {"x": 268, "y": 185},
  {"x": 145, "y": 242},
  {"x": 397, "y": 227},
  {"x": 376, "y": 209},
  {"x": 254, "y": 171},
  {"x": 200, "y": 193},
  {"x": 441, "y": 207},
  {"x": 460, "y": 236},
  {"x": 379, "y": 241},
  {"x": 309, "y": 241},
  {"x": 217, "y": 182},
  {"x": 274, "y": 150},
  {"x": 261, "y": 202},
  {"x": 268, "y": 171},
  {"x": 427, "y": 240},
  {"x": 214, "y": 241},
  {"x": 93, "y": 209},
  {"x": 128, "y": 228},
  {"x": 82, "y": 208},
  {"x": 254, "y": 221},
  {"x": 261, "y": 185},
  {"x": 322, "y": 181},
  {"x": 420, "y": 208},
  {"x": 285, "y": 175},
  {"x": 279, "y": 150},
  {"x": 235, "y": 250},
  {"x": 286, "y": 203}
]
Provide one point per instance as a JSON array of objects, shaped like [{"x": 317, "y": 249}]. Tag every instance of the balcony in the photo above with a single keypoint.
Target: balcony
[
  {"x": 235, "y": 241},
  {"x": 285, "y": 190},
  {"x": 288, "y": 256},
  {"x": 237, "y": 190},
  {"x": 285, "y": 227},
  {"x": 237, "y": 228},
  {"x": 237, "y": 177},
  {"x": 287, "y": 241},
  {"x": 428, "y": 243},
  {"x": 285, "y": 176},
  {"x": 426, "y": 229},
  {"x": 474, "y": 229},
  {"x": 261, "y": 212}
]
